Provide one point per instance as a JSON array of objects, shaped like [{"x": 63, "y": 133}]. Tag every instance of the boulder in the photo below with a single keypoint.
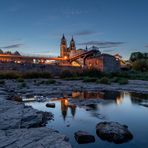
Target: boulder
[
  {"x": 113, "y": 132},
  {"x": 51, "y": 105},
  {"x": 83, "y": 137}
]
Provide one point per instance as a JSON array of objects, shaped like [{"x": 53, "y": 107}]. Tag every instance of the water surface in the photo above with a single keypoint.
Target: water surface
[{"x": 123, "y": 107}]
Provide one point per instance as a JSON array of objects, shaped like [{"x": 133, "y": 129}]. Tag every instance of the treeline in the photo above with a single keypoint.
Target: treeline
[{"x": 139, "y": 61}]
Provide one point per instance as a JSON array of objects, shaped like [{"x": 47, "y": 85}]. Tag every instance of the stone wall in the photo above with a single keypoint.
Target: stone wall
[{"x": 53, "y": 69}]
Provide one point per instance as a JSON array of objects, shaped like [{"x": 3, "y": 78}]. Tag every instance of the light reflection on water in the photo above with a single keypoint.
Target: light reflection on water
[{"x": 125, "y": 108}]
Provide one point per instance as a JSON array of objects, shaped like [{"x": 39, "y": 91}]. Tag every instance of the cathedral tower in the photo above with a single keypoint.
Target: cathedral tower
[
  {"x": 63, "y": 47},
  {"x": 72, "y": 44}
]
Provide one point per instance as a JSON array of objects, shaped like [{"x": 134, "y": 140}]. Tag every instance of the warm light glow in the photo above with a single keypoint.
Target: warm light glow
[
  {"x": 65, "y": 57},
  {"x": 66, "y": 102}
]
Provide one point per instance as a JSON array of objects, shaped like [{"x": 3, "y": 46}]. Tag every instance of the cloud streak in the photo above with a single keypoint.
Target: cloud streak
[
  {"x": 104, "y": 44},
  {"x": 85, "y": 32},
  {"x": 12, "y": 46}
]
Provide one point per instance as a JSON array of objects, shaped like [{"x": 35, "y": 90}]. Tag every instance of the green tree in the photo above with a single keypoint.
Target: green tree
[{"x": 140, "y": 65}]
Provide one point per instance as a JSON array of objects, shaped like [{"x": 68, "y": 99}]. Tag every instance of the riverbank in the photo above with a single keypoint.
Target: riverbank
[
  {"x": 58, "y": 88},
  {"x": 23, "y": 126}
]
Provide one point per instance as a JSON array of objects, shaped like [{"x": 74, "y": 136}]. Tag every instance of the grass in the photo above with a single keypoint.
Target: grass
[
  {"x": 21, "y": 75},
  {"x": 85, "y": 75},
  {"x": 89, "y": 79},
  {"x": 104, "y": 80},
  {"x": 46, "y": 82},
  {"x": 50, "y": 81},
  {"x": 20, "y": 80},
  {"x": 22, "y": 85}
]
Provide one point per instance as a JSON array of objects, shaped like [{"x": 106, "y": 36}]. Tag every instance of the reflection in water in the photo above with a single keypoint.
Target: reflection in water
[
  {"x": 111, "y": 97},
  {"x": 106, "y": 95},
  {"x": 139, "y": 98},
  {"x": 64, "y": 107},
  {"x": 118, "y": 107}
]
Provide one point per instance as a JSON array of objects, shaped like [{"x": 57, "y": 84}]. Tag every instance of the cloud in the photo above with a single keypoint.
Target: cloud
[
  {"x": 104, "y": 44},
  {"x": 12, "y": 46},
  {"x": 85, "y": 32},
  {"x": 146, "y": 46},
  {"x": 108, "y": 50}
]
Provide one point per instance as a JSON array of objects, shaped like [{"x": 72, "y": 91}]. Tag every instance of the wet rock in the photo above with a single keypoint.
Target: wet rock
[
  {"x": 15, "y": 97},
  {"x": 144, "y": 104},
  {"x": 51, "y": 105},
  {"x": 113, "y": 132},
  {"x": 17, "y": 115},
  {"x": 33, "y": 138},
  {"x": 84, "y": 137}
]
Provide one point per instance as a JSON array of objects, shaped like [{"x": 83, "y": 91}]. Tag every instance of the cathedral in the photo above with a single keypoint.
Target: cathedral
[
  {"x": 64, "y": 50},
  {"x": 91, "y": 58}
]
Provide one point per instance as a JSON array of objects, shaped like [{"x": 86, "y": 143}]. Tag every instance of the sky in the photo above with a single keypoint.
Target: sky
[{"x": 36, "y": 26}]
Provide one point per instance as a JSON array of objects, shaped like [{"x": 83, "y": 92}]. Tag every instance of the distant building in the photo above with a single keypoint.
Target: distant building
[
  {"x": 64, "y": 50},
  {"x": 103, "y": 62},
  {"x": 70, "y": 51},
  {"x": 94, "y": 59}
]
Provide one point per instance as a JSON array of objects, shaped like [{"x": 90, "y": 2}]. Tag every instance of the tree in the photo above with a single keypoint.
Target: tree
[
  {"x": 140, "y": 65},
  {"x": 136, "y": 56},
  {"x": 1, "y": 51}
]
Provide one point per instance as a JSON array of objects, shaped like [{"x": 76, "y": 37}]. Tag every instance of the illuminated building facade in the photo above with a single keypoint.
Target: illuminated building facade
[{"x": 64, "y": 50}]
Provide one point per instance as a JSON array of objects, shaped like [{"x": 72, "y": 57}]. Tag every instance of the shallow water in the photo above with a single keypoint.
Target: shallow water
[{"x": 123, "y": 107}]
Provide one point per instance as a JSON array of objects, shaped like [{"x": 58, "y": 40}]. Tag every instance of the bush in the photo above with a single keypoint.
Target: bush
[
  {"x": 32, "y": 75},
  {"x": 123, "y": 81},
  {"x": 66, "y": 74},
  {"x": 91, "y": 73},
  {"x": 50, "y": 81},
  {"x": 87, "y": 79},
  {"x": 120, "y": 80},
  {"x": 46, "y": 82},
  {"x": 2, "y": 82},
  {"x": 9, "y": 75},
  {"x": 23, "y": 85},
  {"x": 20, "y": 80},
  {"x": 73, "y": 78},
  {"x": 104, "y": 80},
  {"x": 140, "y": 65}
]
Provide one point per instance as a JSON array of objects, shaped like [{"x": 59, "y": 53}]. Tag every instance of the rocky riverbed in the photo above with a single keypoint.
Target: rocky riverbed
[
  {"x": 23, "y": 126},
  {"x": 61, "y": 87}
]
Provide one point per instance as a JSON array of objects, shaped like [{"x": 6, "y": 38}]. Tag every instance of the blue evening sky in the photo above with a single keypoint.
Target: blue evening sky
[{"x": 36, "y": 26}]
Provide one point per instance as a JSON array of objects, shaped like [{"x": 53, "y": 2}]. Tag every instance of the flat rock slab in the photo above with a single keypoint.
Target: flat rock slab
[
  {"x": 32, "y": 138},
  {"x": 16, "y": 115},
  {"x": 113, "y": 132},
  {"x": 83, "y": 137}
]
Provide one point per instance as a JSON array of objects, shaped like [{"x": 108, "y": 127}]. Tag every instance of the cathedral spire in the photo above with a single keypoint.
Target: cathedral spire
[
  {"x": 72, "y": 44},
  {"x": 63, "y": 47},
  {"x": 63, "y": 37},
  {"x": 86, "y": 48}
]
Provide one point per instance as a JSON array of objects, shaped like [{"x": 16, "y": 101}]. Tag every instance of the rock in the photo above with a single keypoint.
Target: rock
[
  {"x": 15, "y": 97},
  {"x": 83, "y": 137},
  {"x": 17, "y": 115},
  {"x": 113, "y": 132},
  {"x": 144, "y": 104},
  {"x": 33, "y": 138},
  {"x": 51, "y": 105}
]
